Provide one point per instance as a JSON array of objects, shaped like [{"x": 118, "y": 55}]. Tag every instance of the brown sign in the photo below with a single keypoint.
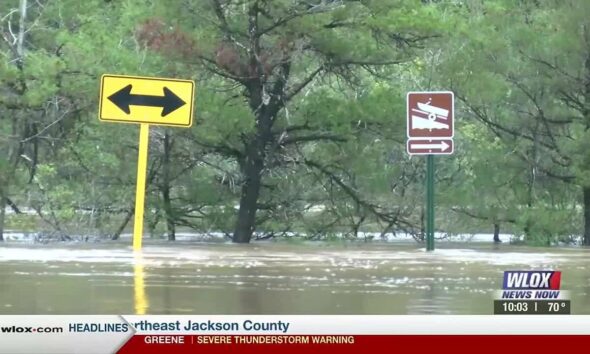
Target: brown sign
[{"x": 430, "y": 114}]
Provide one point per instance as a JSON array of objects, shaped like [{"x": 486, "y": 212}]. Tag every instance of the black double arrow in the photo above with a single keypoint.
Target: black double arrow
[{"x": 169, "y": 102}]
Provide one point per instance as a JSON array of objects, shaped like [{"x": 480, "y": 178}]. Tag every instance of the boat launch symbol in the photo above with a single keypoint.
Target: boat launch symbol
[
  {"x": 428, "y": 116},
  {"x": 430, "y": 122}
]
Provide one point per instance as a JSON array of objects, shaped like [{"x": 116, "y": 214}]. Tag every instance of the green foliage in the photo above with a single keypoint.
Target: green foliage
[{"x": 336, "y": 163}]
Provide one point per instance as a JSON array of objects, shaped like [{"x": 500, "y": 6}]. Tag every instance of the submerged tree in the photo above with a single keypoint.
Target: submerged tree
[{"x": 275, "y": 51}]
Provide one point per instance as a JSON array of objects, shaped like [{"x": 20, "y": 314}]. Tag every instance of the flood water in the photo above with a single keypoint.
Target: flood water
[{"x": 273, "y": 278}]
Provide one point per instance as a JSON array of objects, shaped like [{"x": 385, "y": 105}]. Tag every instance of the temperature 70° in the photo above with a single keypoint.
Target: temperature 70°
[{"x": 556, "y": 306}]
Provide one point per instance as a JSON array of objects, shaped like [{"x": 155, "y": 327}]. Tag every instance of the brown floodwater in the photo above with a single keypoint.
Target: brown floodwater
[{"x": 273, "y": 278}]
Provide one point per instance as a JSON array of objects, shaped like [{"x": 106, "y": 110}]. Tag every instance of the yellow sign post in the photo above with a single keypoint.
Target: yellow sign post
[
  {"x": 145, "y": 100},
  {"x": 144, "y": 134}
]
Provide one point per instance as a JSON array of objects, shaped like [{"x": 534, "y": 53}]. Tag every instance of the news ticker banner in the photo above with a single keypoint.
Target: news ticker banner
[{"x": 291, "y": 334}]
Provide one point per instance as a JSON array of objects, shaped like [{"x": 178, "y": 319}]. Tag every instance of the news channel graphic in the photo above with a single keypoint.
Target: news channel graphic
[
  {"x": 532, "y": 292},
  {"x": 261, "y": 334}
]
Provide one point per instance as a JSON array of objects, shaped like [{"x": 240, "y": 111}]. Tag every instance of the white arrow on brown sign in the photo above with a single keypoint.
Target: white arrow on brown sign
[{"x": 430, "y": 146}]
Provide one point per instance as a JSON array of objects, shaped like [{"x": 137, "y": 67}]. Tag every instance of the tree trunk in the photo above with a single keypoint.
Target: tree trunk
[
  {"x": 252, "y": 171},
  {"x": 165, "y": 188},
  {"x": 170, "y": 225},
  {"x": 497, "y": 233},
  {"x": 3, "y": 202},
  {"x": 586, "y": 240},
  {"x": 123, "y": 224},
  {"x": 7, "y": 176},
  {"x": 422, "y": 224},
  {"x": 253, "y": 161},
  {"x": 13, "y": 206}
]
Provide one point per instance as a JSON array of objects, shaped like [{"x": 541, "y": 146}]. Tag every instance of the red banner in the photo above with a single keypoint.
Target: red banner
[{"x": 344, "y": 344}]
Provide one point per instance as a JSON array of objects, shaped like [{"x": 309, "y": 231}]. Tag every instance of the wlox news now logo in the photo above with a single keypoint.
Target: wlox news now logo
[{"x": 531, "y": 284}]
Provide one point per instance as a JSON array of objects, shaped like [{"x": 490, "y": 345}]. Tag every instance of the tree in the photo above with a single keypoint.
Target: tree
[
  {"x": 516, "y": 75},
  {"x": 275, "y": 51},
  {"x": 30, "y": 107},
  {"x": 48, "y": 85}
]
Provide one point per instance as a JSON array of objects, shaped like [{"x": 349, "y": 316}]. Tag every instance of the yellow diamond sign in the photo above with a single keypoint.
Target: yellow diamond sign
[{"x": 133, "y": 99}]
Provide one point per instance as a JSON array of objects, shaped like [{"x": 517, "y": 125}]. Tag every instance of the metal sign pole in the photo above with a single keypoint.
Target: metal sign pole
[
  {"x": 144, "y": 134},
  {"x": 430, "y": 203}
]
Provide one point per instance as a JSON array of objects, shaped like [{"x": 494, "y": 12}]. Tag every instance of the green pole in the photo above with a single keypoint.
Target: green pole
[{"x": 430, "y": 203}]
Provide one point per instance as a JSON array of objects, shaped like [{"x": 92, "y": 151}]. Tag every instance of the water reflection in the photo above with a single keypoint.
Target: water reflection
[{"x": 140, "y": 295}]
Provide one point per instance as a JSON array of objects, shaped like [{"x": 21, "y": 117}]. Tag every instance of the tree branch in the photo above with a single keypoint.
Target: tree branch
[
  {"x": 311, "y": 137},
  {"x": 301, "y": 85},
  {"x": 481, "y": 217}
]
